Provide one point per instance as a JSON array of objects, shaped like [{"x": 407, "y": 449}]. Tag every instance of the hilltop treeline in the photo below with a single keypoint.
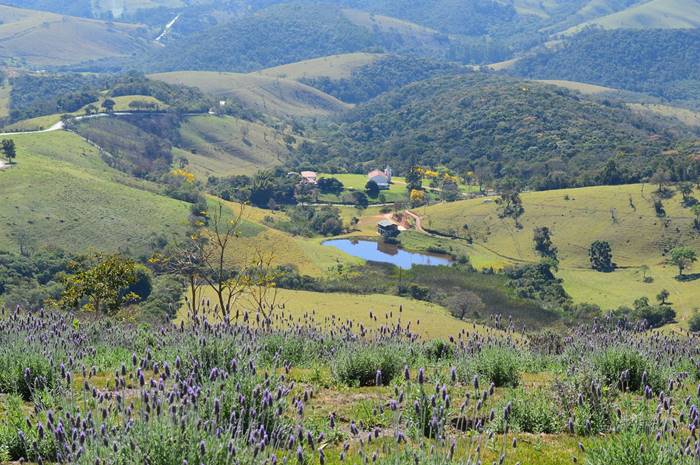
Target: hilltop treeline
[
  {"x": 382, "y": 76},
  {"x": 35, "y": 95},
  {"x": 545, "y": 136},
  {"x": 660, "y": 62}
]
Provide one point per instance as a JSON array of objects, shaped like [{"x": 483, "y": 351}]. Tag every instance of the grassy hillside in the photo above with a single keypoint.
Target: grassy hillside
[
  {"x": 308, "y": 255},
  {"x": 655, "y": 14},
  {"x": 427, "y": 320},
  {"x": 621, "y": 215},
  {"x": 273, "y": 96},
  {"x": 224, "y": 146},
  {"x": 659, "y": 62},
  {"x": 587, "y": 89},
  {"x": 331, "y": 67},
  {"x": 688, "y": 117},
  {"x": 62, "y": 194},
  {"x": 540, "y": 134},
  {"x": 38, "y": 39}
]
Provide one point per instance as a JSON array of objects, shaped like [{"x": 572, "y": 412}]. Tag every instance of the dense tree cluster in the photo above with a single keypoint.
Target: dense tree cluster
[
  {"x": 382, "y": 76},
  {"x": 37, "y": 95},
  {"x": 661, "y": 62}
]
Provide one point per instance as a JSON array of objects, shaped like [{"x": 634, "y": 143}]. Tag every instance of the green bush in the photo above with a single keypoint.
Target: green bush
[
  {"x": 533, "y": 412},
  {"x": 611, "y": 364},
  {"x": 24, "y": 373},
  {"x": 694, "y": 323},
  {"x": 438, "y": 349},
  {"x": 499, "y": 366},
  {"x": 358, "y": 367}
]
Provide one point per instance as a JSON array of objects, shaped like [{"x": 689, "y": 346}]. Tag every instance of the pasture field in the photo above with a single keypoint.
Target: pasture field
[
  {"x": 655, "y": 14},
  {"x": 621, "y": 215},
  {"x": 308, "y": 255},
  {"x": 44, "y": 122},
  {"x": 325, "y": 311},
  {"x": 226, "y": 146},
  {"x": 38, "y": 38},
  {"x": 397, "y": 193},
  {"x": 272, "y": 96},
  {"x": 60, "y": 193},
  {"x": 332, "y": 67}
]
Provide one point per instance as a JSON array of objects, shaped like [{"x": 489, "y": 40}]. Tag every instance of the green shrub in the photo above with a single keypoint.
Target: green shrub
[
  {"x": 611, "y": 364},
  {"x": 438, "y": 349},
  {"x": 533, "y": 412},
  {"x": 12, "y": 447},
  {"x": 24, "y": 373},
  {"x": 499, "y": 366},
  {"x": 694, "y": 323},
  {"x": 359, "y": 366}
]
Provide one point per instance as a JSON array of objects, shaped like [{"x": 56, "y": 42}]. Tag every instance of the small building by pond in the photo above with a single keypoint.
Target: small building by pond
[{"x": 387, "y": 228}]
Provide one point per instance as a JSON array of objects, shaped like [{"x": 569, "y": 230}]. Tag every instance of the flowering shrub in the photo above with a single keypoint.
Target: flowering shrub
[{"x": 97, "y": 391}]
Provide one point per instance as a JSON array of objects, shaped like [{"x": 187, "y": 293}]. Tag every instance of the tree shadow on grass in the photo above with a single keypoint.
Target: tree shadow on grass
[{"x": 688, "y": 277}]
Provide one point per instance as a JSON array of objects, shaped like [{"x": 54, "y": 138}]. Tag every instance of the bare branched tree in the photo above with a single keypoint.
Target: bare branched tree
[
  {"x": 261, "y": 285},
  {"x": 227, "y": 283}
]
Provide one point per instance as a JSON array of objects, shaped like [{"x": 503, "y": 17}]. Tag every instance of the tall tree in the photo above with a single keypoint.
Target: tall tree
[
  {"x": 683, "y": 258},
  {"x": 543, "y": 243},
  {"x": 104, "y": 286},
  {"x": 9, "y": 149},
  {"x": 216, "y": 252},
  {"x": 600, "y": 254}
]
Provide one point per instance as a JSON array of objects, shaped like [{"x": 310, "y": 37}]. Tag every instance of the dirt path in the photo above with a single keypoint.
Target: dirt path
[{"x": 3, "y": 165}]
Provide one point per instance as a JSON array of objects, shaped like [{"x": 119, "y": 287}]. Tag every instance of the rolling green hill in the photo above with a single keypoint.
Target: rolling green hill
[
  {"x": 37, "y": 39},
  {"x": 654, "y": 14},
  {"x": 331, "y": 67},
  {"x": 621, "y": 215},
  {"x": 226, "y": 146},
  {"x": 269, "y": 95},
  {"x": 540, "y": 134},
  {"x": 60, "y": 193}
]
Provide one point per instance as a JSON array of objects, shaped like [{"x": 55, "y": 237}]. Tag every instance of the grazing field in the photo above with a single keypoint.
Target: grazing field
[
  {"x": 272, "y": 96},
  {"x": 303, "y": 307},
  {"x": 226, "y": 146},
  {"x": 621, "y": 215},
  {"x": 586, "y": 89},
  {"x": 655, "y": 14},
  {"x": 332, "y": 67},
  {"x": 37, "y": 38},
  {"x": 60, "y": 193},
  {"x": 689, "y": 117},
  {"x": 307, "y": 255}
]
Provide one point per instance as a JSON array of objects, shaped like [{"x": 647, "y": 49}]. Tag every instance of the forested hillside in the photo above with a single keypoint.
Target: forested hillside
[
  {"x": 381, "y": 76},
  {"x": 543, "y": 135},
  {"x": 284, "y": 34},
  {"x": 663, "y": 63}
]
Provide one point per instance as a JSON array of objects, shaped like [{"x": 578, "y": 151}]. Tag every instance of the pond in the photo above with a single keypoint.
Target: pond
[{"x": 387, "y": 253}]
